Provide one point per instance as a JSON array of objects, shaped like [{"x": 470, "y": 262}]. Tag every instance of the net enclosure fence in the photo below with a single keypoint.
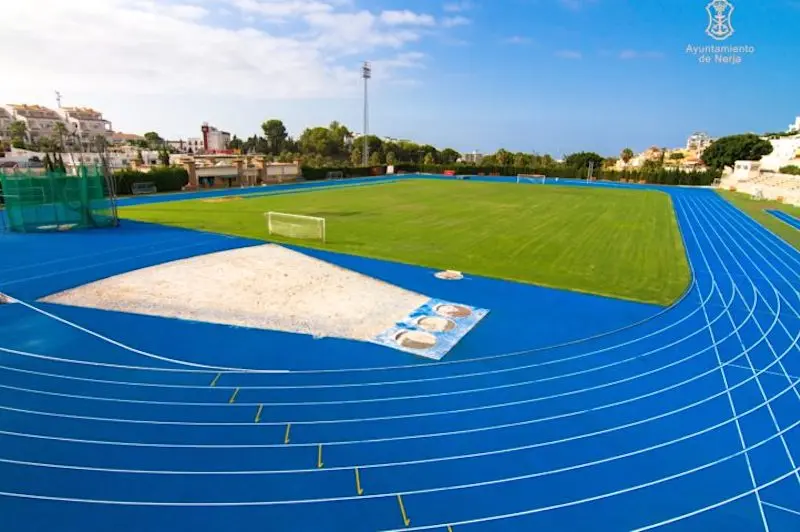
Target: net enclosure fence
[{"x": 55, "y": 201}]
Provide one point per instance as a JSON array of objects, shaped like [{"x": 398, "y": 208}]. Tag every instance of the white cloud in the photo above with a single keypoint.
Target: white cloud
[
  {"x": 569, "y": 54},
  {"x": 280, "y": 9},
  {"x": 636, "y": 54},
  {"x": 157, "y": 47},
  {"x": 457, "y": 7},
  {"x": 452, "y": 22},
  {"x": 518, "y": 39},
  {"x": 406, "y": 17}
]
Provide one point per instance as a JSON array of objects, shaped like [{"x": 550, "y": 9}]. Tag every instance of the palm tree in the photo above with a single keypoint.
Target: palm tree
[
  {"x": 59, "y": 132},
  {"x": 18, "y": 131},
  {"x": 626, "y": 155}
]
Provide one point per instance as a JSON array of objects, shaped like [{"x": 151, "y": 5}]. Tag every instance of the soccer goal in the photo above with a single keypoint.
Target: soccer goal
[
  {"x": 335, "y": 175},
  {"x": 296, "y": 226},
  {"x": 531, "y": 178}
]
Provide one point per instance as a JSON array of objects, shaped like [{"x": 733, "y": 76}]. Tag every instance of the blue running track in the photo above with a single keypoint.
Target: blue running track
[
  {"x": 560, "y": 411},
  {"x": 786, "y": 218}
]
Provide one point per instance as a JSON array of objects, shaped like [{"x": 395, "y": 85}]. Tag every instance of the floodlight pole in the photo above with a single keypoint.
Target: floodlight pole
[{"x": 366, "y": 73}]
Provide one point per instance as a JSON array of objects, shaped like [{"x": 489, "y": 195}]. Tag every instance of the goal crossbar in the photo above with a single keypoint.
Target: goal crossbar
[{"x": 295, "y": 225}]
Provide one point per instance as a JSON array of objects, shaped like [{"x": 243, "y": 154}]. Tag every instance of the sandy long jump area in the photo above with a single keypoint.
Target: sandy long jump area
[{"x": 266, "y": 287}]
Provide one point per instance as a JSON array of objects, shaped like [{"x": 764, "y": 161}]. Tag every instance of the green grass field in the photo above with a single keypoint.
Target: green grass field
[
  {"x": 620, "y": 243},
  {"x": 757, "y": 209}
]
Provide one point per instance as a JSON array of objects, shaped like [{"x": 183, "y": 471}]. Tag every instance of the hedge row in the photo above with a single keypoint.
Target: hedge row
[
  {"x": 660, "y": 176},
  {"x": 166, "y": 179},
  {"x": 315, "y": 174}
]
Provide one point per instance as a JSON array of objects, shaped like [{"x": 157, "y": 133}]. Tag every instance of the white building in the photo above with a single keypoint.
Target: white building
[
  {"x": 214, "y": 140},
  {"x": 785, "y": 152},
  {"x": 190, "y": 145},
  {"x": 40, "y": 121},
  {"x": 795, "y": 128},
  {"x": 5, "y": 121},
  {"x": 698, "y": 142},
  {"x": 471, "y": 158},
  {"x": 86, "y": 123}
]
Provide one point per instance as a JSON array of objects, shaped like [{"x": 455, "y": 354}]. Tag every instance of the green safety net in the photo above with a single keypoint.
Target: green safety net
[{"x": 55, "y": 201}]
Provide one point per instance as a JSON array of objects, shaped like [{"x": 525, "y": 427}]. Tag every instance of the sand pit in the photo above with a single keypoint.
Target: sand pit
[{"x": 265, "y": 287}]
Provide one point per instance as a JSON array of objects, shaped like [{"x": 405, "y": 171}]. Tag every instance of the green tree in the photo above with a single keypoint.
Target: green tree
[
  {"x": 584, "y": 159},
  {"x": 449, "y": 156},
  {"x": 276, "y": 135},
  {"x": 339, "y": 134},
  {"x": 356, "y": 156},
  {"x": 375, "y": 159},
  {"x": 676, "y": 156},
  {"x": 48, "y": 163},
  {"x": 727, "y": 150},
  {"x": 317, "y": 141},
  {"x": 626, "y": 155},
  {"x": 163, "y": 157},
  {"x": 153, "y": 140},
  {"x": 60, "y": 135},
  {"x": 139, "y": 159},
  {"x": 60, "y": 166},
  {"x": 391, "y": 158},
  {"x": 18, "y": 131},
  {"x": 503, "y": 157},
  {"x": 236, "y": 143},
  {"x": 429, "y": 159},
  {"x": 522, "y": 160}
]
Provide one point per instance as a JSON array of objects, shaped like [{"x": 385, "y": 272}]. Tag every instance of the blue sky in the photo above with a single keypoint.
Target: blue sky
[{"x": 552, "y": 76}]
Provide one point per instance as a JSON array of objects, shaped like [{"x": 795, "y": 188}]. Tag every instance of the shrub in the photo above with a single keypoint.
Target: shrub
[
  {"x": 166, "y": 179},
  {"x": 792, "y": 170},
  {"x": 316, "y": 174}
]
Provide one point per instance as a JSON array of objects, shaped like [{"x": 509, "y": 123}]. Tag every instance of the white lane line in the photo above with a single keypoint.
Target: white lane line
[
  {"x": 84, "y": 256},
  {"x": 776, "y": 312},
  {"x": 609, "y": 430},
  {"x": 508, "y": 354},
  {"x": 479, "y": 374},
  {"x": 777, "y": 374},
  {"x": 93, "y": 265},
  {"x": 777, "y": 292},
  {"x": 785, "y": 509},
  {"x": 132, "y": 349},
  {"x": 730, "y": 397},
  {"x": 374, "y": 440},
  {"x": 494, "y": 482}
]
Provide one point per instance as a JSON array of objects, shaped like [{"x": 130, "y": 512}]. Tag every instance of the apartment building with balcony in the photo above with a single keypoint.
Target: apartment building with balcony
[
  {"x": 40, "y": 122},
  {"x": 5, "y": 121},
  {"x": 86, "y": 123}
]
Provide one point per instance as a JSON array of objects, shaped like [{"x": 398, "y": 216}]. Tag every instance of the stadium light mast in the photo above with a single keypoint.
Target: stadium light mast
[{"x": 366, "y": 73}]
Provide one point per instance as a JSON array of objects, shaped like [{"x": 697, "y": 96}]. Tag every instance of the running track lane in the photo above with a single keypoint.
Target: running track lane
[
  {"x": 785, "y": 218},
  {"x": 687, "y": 421}
]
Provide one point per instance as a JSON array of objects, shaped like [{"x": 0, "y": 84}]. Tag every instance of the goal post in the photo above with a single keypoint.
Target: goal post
[
  {"x": 531, "y": 178},
  {"x": 296, "y": 226},
  {"x": 335, "y": 175}
]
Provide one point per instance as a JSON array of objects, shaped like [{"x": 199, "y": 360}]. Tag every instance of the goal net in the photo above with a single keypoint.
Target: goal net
[
  {"x": 531, "y": 178},
  {"x": 296, "y": 226},
  {"x": 335, "y": 175}
]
